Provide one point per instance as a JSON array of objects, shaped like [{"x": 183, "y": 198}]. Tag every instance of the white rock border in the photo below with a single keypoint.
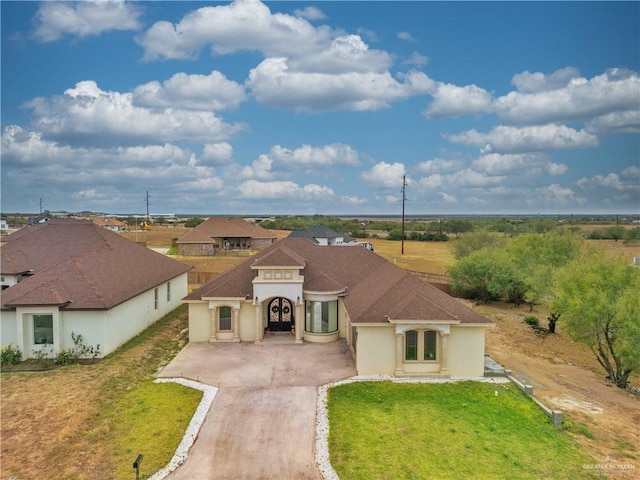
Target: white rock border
[
  {"x": 193, "y": 429},
  {"x": 322, "y": 417}
]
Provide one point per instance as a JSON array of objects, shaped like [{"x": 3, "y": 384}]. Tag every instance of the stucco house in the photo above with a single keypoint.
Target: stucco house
[
  {"x": 323, "y": 236},
  {"x": 67, "y": 276},
  {"x": 110, "y": 223},
  {"x": 224, "y": 233},
  {"x": 394, "y": 323}
]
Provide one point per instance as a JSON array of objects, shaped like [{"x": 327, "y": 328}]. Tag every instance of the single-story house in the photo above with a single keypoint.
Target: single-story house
[
  {"x": 224, "y": 233},
  {"x": 110, "y": 223},
  {"x": 67, "y": 276},
  {"x": 394, "y": 323},
  {"x": 323, "y": 236}
]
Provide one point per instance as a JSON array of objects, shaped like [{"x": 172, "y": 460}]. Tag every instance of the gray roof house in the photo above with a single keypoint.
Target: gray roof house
[
  {"x": 393, "y": 322},
  {"x": 67, "y": 276},
  {"x": 323, "y": 236}
]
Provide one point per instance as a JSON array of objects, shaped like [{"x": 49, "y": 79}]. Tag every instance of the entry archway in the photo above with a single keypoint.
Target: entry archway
[{"x": 280, "y": 315}]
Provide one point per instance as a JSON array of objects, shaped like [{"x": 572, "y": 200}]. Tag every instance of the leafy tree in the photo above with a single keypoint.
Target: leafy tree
[
  {"x": 193, "y": 222},
  {"x": 598, "y": 298},
  {"x": 485, "y": 275},
  {"x": 458, "y": 226},
  {"x": 472, "y": 242},
  {"x": 538, "y": 256}
]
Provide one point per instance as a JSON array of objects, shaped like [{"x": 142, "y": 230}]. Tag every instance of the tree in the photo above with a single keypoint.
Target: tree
[
  {"x": 458, "y": 226},
  {"x": 472, "y": 242},
  {"x": 598, "y": 300},
  {"x": 538, "y": 256},
  {"x": 484, "y": 275}
]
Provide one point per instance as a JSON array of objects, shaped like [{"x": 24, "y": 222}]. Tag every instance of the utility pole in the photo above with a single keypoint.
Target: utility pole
[
  {"x": 40, "y": 206},
  {"x": 404, "y": 198},
  {"x": 147, "y": 199}
]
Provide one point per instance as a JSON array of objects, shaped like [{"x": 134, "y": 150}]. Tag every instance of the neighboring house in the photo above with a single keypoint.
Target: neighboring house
[
  {"x": 323, "y": 236},
  {"x": 226, "y": 234},
  {"x": 394, "y": 323},
  {"x": 67, "y": 276},
  {"x": 110, "y": 223}
]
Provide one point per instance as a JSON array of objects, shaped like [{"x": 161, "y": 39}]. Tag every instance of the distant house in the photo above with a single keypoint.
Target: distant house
[
  {"x": 67, "y": 276},
  {"x": 110, "y": 223},
  {"x": 221, "y": 233},
  {"x": 393, "y": 322},
  {"x": 323, "y": 236}
]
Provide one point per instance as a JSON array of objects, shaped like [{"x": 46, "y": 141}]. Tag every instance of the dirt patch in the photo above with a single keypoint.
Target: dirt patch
[{"x": 566, "y": 376}]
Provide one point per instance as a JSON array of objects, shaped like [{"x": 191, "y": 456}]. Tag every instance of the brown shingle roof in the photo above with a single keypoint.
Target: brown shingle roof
[
  {"x": 219, "y": 227},
  {"x": 376, "y": 290},
  {"x": 80, "y": 264}
]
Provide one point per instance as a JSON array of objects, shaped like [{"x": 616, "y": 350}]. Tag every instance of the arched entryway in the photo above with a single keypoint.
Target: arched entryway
[{"x": 280, "y": 315}]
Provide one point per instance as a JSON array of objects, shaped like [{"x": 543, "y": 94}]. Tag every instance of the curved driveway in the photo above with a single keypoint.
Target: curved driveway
[{"x": 262, "y": 422}]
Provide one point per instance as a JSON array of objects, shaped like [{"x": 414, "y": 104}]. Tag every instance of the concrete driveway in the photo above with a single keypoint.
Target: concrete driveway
[{"x": 262, "y": 422}]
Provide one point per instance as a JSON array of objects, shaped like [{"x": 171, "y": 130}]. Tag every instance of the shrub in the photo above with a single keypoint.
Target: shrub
[
  {"x": 532, "y": 321},
  {"x": 10, "y": 355}
]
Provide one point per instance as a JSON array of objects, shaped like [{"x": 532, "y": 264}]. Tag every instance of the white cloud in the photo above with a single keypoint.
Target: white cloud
[
  {"x": 504, "y": 139},
  {"x": 416, "y": 59},
  {"x": 527, "y": 82},
  {"x": 520, "y": 163},
  {"x": 326, "y": 156},
  {"x": 274, "y": 85},
  {"x": 352, "y": 200},
  {"x": 453, "y": 101},
  {"x": 615, "y": 123},
  {"x": 385, "y": 175},
  {"x": 439, "y": 165},
  {"x": 241, "y": 25},
  {"x": 311, "y": 13},
  {"x": 632, "y": 172},
  {"x": 259, "y": 168},
  {"x": 87, "y": 115},
  {"x": 580, "y": 99},
  {"x": 283, "y": 190},
  {"x": 406, "y": 36},
  {"x": 217, "y": 153},
  {"x": 192, "y": 92},
  {"x": 446, "y": 198},
  {"x": 53, "y": 20}
]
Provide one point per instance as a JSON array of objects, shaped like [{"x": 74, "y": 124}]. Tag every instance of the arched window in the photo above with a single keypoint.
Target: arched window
[
  {"x": 224, "y": 318},
  {"x": 322, "y": 317},
  {"x": 421, "y": 346}
]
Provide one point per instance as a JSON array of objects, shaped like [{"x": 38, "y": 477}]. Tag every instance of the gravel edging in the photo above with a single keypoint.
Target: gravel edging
[
  {"x": 322, "y": 418},
  {"x": 193, "y": 429}
]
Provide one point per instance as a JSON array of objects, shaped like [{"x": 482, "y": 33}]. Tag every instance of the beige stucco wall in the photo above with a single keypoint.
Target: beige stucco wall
[
  {"x": 199, "y": 322},
  {"x": 376, "y": 350},
  {"x": 466, "y": 351}
]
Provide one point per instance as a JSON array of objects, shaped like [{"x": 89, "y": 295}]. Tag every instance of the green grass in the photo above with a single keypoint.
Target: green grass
[
  {"x": 383, "y": 430},
  {"x": 151, "y": 419}
]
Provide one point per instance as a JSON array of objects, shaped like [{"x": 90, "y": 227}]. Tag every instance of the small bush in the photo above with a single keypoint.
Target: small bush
[
  {"x": 532, "y": 321},
  {"x": 10, "y": 355}
]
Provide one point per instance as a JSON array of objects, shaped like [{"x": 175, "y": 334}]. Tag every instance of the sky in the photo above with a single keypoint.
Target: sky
[{"x": 323, "y": 107}]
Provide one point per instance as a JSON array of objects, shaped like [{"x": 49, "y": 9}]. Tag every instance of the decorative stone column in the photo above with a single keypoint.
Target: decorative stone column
[
  {"x": 259, "y": 329},
  {"x": 236, "y": 326},
  {"x": 399, "y": 353},
  {"x": 213, "y": 335},
  {"x": 444, "y": 337},
  {"x": 299, "y": 323}
]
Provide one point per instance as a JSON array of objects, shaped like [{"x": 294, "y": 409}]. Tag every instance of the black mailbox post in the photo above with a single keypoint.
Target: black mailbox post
[{"x": 136, "y": 465}]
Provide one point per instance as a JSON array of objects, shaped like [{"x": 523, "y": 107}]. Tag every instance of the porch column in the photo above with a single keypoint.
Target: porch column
[
  {"x": 213, "y": 334},
  {"x": 299, "y": 324},
  {"x": 259, "y": 329},
  {"x": 399, "y": 353},
  {"x": 236, "y": 324},
  {"x": 445, "y": 353}
]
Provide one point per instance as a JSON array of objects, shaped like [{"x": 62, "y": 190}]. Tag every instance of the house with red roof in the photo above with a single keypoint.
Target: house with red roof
[
  {"x": 67, "y": 276},
  {"x": 393, "y": 322},
  {"x": 222, "y": 233}
]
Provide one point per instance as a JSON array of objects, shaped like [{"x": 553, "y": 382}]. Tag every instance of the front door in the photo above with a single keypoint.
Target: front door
[{"x": 280, "y": 315}]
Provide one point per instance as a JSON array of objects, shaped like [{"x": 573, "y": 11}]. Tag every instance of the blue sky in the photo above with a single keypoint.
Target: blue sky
[{"x": 321, "y": 107}]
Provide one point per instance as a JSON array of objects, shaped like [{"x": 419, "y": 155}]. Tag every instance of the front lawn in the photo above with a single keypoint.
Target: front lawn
[{"x": 385, "y": 430}]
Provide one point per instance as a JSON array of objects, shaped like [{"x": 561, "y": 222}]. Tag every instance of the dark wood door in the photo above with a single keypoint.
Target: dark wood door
[{"x": 281, "y": 317}]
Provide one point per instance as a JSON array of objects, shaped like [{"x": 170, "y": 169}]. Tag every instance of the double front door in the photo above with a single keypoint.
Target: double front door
[{"x": 280, "y": 315}]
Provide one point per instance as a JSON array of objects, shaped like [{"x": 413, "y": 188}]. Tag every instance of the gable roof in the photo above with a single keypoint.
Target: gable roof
[
  {"x": 375, "y": 290},
  {"x": 80, "y": 265},
  {"x": 222, "y": 227},
  {"x": 320, "y": 231}
]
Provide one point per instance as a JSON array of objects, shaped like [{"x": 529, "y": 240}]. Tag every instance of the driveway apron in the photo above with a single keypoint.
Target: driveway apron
[{"x": 262, "y": 422}]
